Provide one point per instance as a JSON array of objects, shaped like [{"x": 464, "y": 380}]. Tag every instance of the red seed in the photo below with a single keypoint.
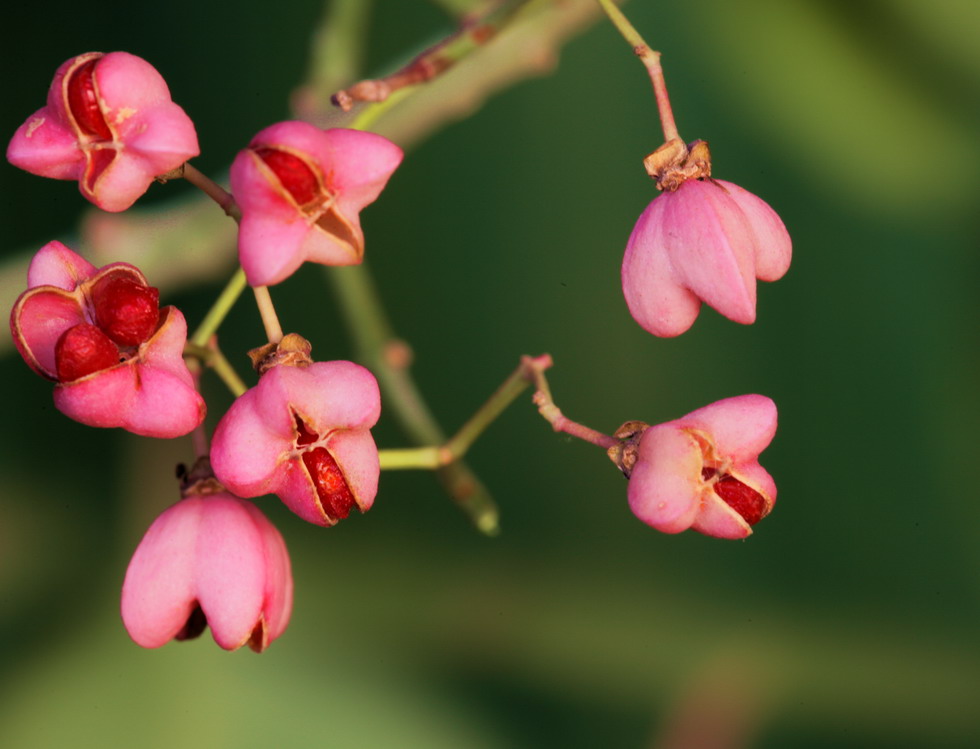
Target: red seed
[
  {"x": 82, "y": 350},
  {"x": 306, "y": 436},
  {"x": 125, "y": 309},
  {"x": 331, "y": 486},
  {"x": 295, "y": 175},
  {"x": 745, "y": 500},
  {"x": 83, "y": 102}
]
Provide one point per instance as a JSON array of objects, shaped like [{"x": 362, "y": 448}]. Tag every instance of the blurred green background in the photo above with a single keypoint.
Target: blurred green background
[{"x": 849, "y": 619}]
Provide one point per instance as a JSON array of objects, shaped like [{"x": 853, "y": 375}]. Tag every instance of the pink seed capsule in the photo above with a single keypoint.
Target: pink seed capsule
[
  {"x": 702, "y": 470},
  {"x": 301, "y": 190},
  {"x": 110, "y": 124},
  {"x": 303, "y": 434}
]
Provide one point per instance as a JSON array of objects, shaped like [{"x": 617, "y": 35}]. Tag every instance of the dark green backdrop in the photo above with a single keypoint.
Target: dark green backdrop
[{"x": 849, "y": 619}]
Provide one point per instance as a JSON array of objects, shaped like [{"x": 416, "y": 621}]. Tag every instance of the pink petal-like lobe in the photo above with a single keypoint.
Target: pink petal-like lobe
[
  {"x": 216, "y": 552},
  {"x": 706, "y": 241},
  {"x": 665, "y": 487}
]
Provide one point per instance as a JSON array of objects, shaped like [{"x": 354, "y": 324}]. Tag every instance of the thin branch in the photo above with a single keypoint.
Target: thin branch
[
  {"x": 389, "y": 358},
  {"x": 267, "y": 310},
  {"x": 456, "y": 447},
  {"x": 219, "y": 310},
  {"x": 212, "y": 189},
  {"x": 650, "y": 60},
  {"x": 475, "y": 31}
]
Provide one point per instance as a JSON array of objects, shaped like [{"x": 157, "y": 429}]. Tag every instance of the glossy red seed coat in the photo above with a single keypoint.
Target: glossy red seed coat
[
  {"x": 83, "y": 102},
  {"x": 82, "y": 350},
  {"x": 295, "y": 175},
  {"x": 126, "y": 310},
  {"x": 331, "y": 486},
  {"x": 745, "y": 500}
]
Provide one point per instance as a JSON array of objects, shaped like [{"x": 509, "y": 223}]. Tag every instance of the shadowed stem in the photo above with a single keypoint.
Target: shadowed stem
[
  {"x": 199, "y": 437},
  {"x": 475, "y": 31},
  {"x": 559, "y": 422},
  {"x": 650, "y": 60},
  {"x": 218, "y": 311},
  {"x": 456, "y": 447},
  {"x": 222, "y": 305},
  {"x": 373, "y": 337},
  {"x": 270, "y": 320},
  {"x": 530, "y": 371},
  {"x": 214, "y": 358},
  {"x": 213, "y": 190},
  {"x": 377, "y": 348}
]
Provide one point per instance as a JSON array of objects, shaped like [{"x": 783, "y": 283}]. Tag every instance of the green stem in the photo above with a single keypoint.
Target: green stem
[
  {"x": 222, "y": 367},
  {"x": 335, "y": 57},
  {"x": 513, "y": 386},
  {"x": 650, "y": 60},
  {"x": 561, "y": 423},
  {"x": 380, "y": 351},
  {"x": 267, "y": 310},
  {"x": 367, "y": 116},
  {"x": 373, "y": 337},
  {"x": 214, "y": 358},
  {"x": 474, "y": 32},
  {"x": 455, "y": 448},
  {"x": 412, "y": 458},
  {"x": 220, "y": 309},
  {"x": 213, "y": 190}
]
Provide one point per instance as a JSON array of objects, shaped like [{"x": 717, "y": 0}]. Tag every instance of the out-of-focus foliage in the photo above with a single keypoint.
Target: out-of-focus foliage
[{"x": 848, "y": 620}]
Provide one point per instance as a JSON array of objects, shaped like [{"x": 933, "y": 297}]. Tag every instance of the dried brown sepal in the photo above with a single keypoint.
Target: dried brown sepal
[
  {"x": 674, "y": 163},
  {"x": 292, "y": 351},
  {"x": 175, "y": 173},
  {"x": 199, "y": 480},
  {"x": 625, "y": 452},
  {"x": 670, "y": 155}
]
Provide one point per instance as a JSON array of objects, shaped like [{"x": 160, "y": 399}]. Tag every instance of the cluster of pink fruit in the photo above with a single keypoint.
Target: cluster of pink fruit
[{"x": 303, "y": 432}]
